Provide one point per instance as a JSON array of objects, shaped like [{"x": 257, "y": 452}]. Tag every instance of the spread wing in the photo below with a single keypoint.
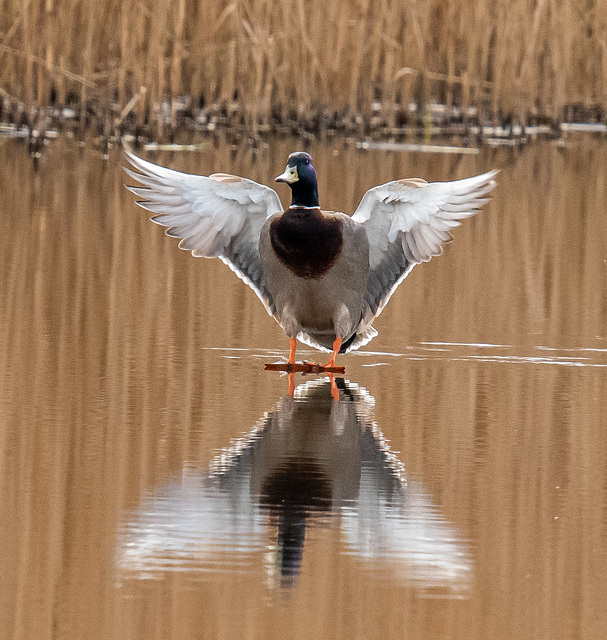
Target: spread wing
[
  {"x": 219, "y": 216},
  {"x": 407, "y": 222}
]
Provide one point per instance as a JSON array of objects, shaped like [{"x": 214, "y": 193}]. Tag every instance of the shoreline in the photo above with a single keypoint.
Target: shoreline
[{"x": 179, "y": 129}]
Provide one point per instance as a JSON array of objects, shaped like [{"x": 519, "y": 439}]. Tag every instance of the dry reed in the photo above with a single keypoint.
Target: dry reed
[{"x": 267, "y": 60}]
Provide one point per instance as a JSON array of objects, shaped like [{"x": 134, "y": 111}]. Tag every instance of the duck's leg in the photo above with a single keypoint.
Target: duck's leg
[
  {"x": 306, "y": 367},
  {"x": 336, "y": 348},
  {"x": 334, "y": 387},
  {"x": 291, "y": 384},
  {"x": 292, "y": 348},
  {"x": 291, "y": 365}
]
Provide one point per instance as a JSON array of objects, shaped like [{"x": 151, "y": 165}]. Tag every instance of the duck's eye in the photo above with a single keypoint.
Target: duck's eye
[{"x": 307, "y": 162}]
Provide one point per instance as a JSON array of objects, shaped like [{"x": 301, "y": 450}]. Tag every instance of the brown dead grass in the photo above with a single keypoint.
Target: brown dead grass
[{"x": 292, "y": 57}]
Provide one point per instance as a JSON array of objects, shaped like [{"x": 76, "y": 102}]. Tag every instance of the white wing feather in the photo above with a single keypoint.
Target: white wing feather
[
  {"x": 408, "y": 222},
  {"x": 219, "y": 216}
]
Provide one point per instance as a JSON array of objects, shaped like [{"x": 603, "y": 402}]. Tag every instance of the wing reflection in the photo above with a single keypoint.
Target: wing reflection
[{"x": 310, "y": 462}]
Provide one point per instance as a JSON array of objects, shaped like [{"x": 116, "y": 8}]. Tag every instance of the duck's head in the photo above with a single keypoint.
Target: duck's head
[{"x": 301, "y": 177}]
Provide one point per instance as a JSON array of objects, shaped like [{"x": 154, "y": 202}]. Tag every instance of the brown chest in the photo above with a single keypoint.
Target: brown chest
[{"x": 306, "y": 241}]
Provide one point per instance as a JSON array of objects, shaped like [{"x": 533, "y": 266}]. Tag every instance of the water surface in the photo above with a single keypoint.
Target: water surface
[{"x": 156, "y": 483}]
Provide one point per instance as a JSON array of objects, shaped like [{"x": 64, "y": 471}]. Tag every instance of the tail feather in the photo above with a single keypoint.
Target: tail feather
[{"x": 345, "y": 345}]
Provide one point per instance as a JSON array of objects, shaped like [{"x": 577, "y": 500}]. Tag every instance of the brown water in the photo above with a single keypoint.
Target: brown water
[{"x": 156, "y": 483}]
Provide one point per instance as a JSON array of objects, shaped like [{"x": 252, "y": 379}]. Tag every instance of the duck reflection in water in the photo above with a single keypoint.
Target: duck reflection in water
[{"x": 311, "y": 462}]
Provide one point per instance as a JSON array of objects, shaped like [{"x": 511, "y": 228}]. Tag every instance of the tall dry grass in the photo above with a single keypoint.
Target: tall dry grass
[{"x": 289, "y": 57}]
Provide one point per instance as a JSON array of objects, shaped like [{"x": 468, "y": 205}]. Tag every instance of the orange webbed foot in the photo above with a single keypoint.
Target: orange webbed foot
[
  {"x": 307, "y": 367},
  {"x": 336, "y": 347}
]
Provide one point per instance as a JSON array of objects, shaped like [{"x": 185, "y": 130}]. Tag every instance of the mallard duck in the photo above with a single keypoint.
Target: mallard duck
[{"x": 324, "y": 276}]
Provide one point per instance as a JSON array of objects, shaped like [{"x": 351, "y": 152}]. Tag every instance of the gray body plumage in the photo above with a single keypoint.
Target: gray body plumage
[{"x": 319, "y": 309}]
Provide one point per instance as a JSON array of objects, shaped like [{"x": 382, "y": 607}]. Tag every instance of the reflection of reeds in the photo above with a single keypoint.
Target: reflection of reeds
[
  {"x": 296, "y": 57},
  {"x": 106, "y": 388}
]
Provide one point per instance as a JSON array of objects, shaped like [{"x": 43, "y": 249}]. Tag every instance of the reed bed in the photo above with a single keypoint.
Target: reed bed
[{"x": 260, "y": 62}]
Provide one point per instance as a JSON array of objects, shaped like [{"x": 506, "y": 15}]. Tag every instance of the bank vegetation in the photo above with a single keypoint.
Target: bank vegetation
[{"x": 263, "y": 62}]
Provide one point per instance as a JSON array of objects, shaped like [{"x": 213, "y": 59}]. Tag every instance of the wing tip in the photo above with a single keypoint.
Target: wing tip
[
  {"x": 487, "y": 179},
  {"x": 129, "y": 156},
  {"x": 131, "y": 188},
  {"x": 135, "y": 175}
]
